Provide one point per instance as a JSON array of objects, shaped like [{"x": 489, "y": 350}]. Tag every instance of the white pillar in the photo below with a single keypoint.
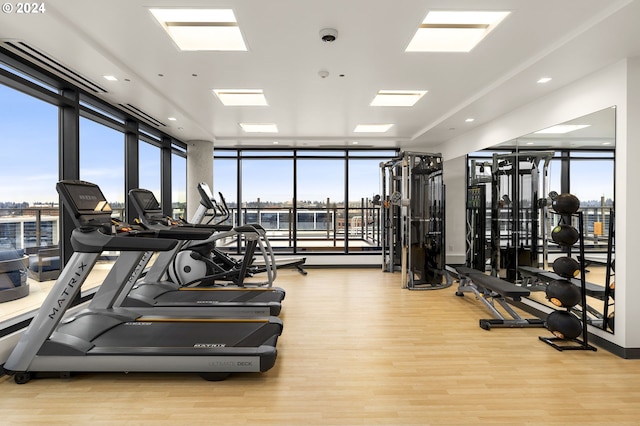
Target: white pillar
[
  {"x": 627, "y": 231},
  {"x": 199, "y": 169},
  {"x": 454, "y": 175}
]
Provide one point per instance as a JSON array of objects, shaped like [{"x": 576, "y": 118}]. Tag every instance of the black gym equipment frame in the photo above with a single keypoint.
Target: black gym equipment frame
[
  {"x": 518, "y": 211},
  {"x": 413, "y": 220}
]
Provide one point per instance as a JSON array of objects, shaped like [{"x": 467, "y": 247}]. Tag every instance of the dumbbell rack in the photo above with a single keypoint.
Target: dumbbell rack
[{"x": 577, "y": 343}]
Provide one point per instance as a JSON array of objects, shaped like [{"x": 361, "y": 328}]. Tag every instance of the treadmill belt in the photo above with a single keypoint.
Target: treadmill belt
[{"x": 187, "y": 334}]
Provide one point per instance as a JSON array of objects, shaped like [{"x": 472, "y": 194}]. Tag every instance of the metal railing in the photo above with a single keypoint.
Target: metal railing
[
  {"x": 333, "y": 225},
  {"x": 27, "y": 227}
]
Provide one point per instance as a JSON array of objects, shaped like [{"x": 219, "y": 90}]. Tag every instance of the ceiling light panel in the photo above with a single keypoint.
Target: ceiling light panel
[
  {"x": 453, "y": 31},
  {"x": 372, "y": 128},
  {"x": 562, "y": 129},
  {"x": 201, "y": 29},
  {"x": 259, "y": 127},
  {"x": 397, "y": 97},
  {"x": 241, "y": 97}
]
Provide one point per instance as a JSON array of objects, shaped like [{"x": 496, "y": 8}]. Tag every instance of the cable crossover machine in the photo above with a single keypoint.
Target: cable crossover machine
[{"x": 413, "y": 219}]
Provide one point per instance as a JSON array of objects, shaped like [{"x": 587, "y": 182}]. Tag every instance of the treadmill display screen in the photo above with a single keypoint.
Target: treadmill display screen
[
  {"x": 87, "y": 198},
  {"x": 205, "y": 194},
  {"x": 146, "y": 200}
]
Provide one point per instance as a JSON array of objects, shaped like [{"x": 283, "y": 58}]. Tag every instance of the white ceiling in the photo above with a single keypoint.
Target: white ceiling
[{"x": 562, "y": 39}]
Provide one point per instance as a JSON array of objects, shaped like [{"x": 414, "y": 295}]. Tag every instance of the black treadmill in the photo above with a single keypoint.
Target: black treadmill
[
  {"x": 152, "y": 293},
  {"x": 102, "y": 338}
]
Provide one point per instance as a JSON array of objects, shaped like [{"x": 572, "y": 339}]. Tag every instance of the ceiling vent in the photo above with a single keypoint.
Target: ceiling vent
[
  {"x": 137, "y": 112},
  {"x": 50, "y": 64}
]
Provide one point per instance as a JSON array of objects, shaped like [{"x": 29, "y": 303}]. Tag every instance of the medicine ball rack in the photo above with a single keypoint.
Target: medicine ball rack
[{"x": 574, "y": 343}]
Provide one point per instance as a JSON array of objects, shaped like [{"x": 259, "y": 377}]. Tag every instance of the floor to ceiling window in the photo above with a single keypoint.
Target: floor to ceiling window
[
  {"x": 102, "y": 160},
  {"x": 178, "y": 184},
  {"x": 364, "y": 184},
  {"x": 299, "y": 195},
  {"x": 320, "y": 203},
  {"x": 149, "y": 169},
  {"x": 29, "y": 172},
  {"x": 225, "y": 184},
  {"x": 267, "y": 194},
  {"x": 29, "y": 217}
]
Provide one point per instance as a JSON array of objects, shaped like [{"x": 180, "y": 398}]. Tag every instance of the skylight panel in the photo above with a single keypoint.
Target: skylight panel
[
  {"x": 453, "y": 31},
  {"x": 397, "y": 97},
  {"x": 241, "y": 97},
  {"x": 201, "y": 29},
  {"x": 259, "y": 127},
  {"x": 372, "y": 128}
]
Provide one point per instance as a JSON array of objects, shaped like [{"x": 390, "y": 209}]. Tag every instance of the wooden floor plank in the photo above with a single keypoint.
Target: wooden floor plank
[{"x": 359, "y": 350}]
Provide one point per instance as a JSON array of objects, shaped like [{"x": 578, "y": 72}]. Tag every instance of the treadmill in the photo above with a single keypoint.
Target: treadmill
[
  {"x": 104, "y": 338},
  {"x": 152, "y": 293}
]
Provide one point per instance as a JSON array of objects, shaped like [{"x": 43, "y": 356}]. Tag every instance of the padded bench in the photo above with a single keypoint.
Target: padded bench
[
  {"x": 13, "y": 275},
  {"x": 491, "y": 290}
]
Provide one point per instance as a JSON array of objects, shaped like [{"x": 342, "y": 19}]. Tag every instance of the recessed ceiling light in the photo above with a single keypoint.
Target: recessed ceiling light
[
  {"x": 372, "y": 128},
  {"x": 562, "y": 128},
  {"x": 172, "y": 119},
  {"x": 397, "y": 97},
  {"x": 241, "y": 97},
  {"x": 201, "y": 29},
  {"x": 453, "y": 31},
  {"x": 259, "y": 127},
  {"x": 355, "y": 143},
  {"x": 110, "y": 78},
  {"x": 606, "y": 143},
  {"x": 470, "y": 120},
  {"x": 276, "y": 142},
  {"x": 544, "y": 80}
]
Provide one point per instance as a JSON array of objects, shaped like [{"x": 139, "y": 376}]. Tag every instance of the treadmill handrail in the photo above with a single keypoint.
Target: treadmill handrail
[{"x": 96, "y": 241}]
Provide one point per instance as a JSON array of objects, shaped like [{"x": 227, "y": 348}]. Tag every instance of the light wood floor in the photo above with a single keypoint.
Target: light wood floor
[{"x": 359, "y": 350}]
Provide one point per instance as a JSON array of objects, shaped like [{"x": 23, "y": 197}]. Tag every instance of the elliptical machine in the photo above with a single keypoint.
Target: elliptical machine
[{"x": 200, "y": 262}]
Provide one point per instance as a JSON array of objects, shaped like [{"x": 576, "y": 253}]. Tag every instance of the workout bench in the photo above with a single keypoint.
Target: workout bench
[
  {"x": 491, "y": 290},
  {"x": 535, "y": 274}
]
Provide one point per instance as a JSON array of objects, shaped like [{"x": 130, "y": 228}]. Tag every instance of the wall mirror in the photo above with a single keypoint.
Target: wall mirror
[{"x": 511, "y": 223}]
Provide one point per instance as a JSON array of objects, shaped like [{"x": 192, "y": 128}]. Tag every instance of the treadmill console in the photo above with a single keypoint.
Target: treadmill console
[
  {"x": 90, "y": 210},
  {"x": 206, "y": 197},
  {"x": 148, "y": 208},
  {"x": 86, "y": 203}
]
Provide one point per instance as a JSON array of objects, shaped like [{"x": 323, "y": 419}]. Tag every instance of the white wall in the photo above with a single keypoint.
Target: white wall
[
  {"x": 603, "y": 89},
  {"x": 627, "y": 208}
]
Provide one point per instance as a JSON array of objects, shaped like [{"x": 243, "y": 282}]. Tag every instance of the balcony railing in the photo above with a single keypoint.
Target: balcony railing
[
  {"x": 314, "y": 226},
  {"x": 23, "y": 228},
  {"x": 319, "y": 227}
]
